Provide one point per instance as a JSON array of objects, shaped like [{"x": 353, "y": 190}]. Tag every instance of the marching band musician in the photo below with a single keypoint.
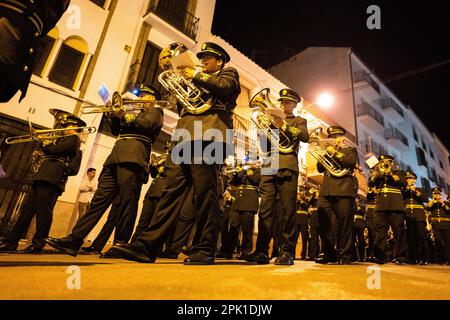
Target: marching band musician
[
  {"x": 123, "y": 174},
  {"x": 314, "y": 225},
  {"x": 416, "y": 222},
  {"x": 243, "y": 209},
  {"x": 358, "y": 231},
  {"x": 389, "y": 210},
  {"x": 22, "y": 24},
  {"x": 440, "y": 224},
  {"x": 61, "y": 158},
  {"x": 336, "y": 202},
  {"x": 302, "y": 221},
  {"x": 371, "y": 199},
  {"x": 284, "y": 183},
  {"x": 223, "y": 85}
]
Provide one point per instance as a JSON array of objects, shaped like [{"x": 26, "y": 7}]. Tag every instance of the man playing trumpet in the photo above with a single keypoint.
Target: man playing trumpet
[{"x": 60, "y": 158}]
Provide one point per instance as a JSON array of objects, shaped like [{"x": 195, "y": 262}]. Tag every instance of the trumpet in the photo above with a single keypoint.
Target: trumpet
[
  {"x": 50, "y": 134},
  {"x": 118, "y": 103}
]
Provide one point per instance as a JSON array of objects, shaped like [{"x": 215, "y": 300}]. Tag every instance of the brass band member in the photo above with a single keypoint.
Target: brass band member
[
  {"x": 302, "y": 221},
  {"x": 123, "y": 174},
  {"x": 440, "y": 223},
  {"x": 336, "y": 202},
  {"x": 314, "y": 225},
  {"x": 370, "y": 221},
  {"x": 243, "y": 210},
  {"x": 416, "y": 222},
  {"x": 358, "y": 232},
  {"x": 61, "y": 158},
  {"x": 284, "y": 183},
  {"x": 223, "y": 84},
  {"x": 389, "y": 210},
  {"x": 22, "y": 24}
]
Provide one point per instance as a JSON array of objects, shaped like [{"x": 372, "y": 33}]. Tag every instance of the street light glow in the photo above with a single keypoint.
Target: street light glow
[{"x": 325, "y": 100}]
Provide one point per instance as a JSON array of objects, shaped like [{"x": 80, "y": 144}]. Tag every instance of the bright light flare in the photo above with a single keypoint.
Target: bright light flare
[{"x": 325, "y": 100}]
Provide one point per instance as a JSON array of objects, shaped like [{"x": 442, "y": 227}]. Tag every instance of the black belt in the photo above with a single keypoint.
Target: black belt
[
  {"x": 139, "y": 137},
  {"x": 21, "y": 8},
  {"x": 55, "y": 158}
]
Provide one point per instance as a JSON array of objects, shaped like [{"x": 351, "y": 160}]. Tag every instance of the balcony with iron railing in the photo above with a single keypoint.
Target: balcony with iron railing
[
  {"x": 397, "y": 139},
  {"x": 392, "y": 109},
  {"x": 370, "y": 117},
  {"x": 370, "y": 146},
  {"x": 365, "y": 80},
  {"x": 176, "y": 16}
]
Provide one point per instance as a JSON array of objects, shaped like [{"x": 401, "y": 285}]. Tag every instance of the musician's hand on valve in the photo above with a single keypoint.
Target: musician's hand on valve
[
  {"x": 278, "y": 121},
  {"x": 189, "y": 73},
  {"x": 331, "y": 150}
]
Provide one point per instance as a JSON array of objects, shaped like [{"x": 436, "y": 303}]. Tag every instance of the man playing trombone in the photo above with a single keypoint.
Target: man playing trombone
[
  {"x": 61, "y": 158},
  {"x": 123, "y": 174},
  {"x": 284, "y": 183}
]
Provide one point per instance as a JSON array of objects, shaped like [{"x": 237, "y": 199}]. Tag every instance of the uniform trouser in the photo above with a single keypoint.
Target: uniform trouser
[
  {"x": 415, "y": 234},
  {"x": 40, "y": 201},
  {"x": 223, "y": 229},
  {"x": 241, "y": 220},
  {"x": 360, "y": 243},
  {"x": 276, "y": 228},
  {"x": 107, "y": 229},
  {"x": 148, "y": 210},
  {"x": 336, "y": 226},
  {"x": 442, "y": 240},
  {"x": 179, "y": 179},
  {"x": 314, "y": 245},
  {"x": 183, "y": 227},
  {"x": 384, "y": 219},
  {"x": 286, "y": 187},
  {"x": 124, "y": 181},
  {"x": 370, "y": 225},
  {"x": 302, "y": 229}
]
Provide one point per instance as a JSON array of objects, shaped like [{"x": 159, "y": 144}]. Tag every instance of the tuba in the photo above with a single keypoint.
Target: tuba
[
  {"x": 258, "y": 105},
  {"x": 325, "y": 159},
  {"x": 193, "y": 99}
]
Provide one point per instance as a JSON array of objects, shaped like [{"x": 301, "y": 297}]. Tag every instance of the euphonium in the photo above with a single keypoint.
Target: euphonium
[
  {"x": 193, "y": 99},
  {"x": 325, "y": 159},
  {"x": 258, "y": 105}
]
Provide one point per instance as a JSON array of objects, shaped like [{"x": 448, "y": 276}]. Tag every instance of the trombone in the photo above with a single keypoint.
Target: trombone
[
  {"x": 118, "y": 103},
  {"x": 49, "y": 134}
]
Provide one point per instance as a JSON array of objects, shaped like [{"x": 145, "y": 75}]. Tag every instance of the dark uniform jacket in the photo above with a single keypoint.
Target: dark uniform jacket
[
  {"x": 157, "y": 173},
  {"x": 27, "y": 22},
  {"x": 439, "y": 215},
  {"x": 344, "y": 186},
  {"x": 296, "y": 130},
  {"x": 314, "y": 217},
  {"x": 358, "y": 221},
  {"x": 136, "y": 135},
  {"x": 246, "y": 193},
  {"x": 414, "y": 201},
  {"x": 302, "y": 212},
  {"x": 60, "y": 160},
  {"x": 371, "y": 204},
  {"x": 389, "y": 197},
  {"x": 224, "y": 86}
]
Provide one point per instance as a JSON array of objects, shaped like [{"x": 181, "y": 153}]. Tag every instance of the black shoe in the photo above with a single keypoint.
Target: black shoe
[
  {"x": 168, "y": 255},
  {"x": 31, "y": 250},
  {"x": 325, "y": 260},
  {"x": 7, "y": 247},
  {"x": 197, "y": 259},
  {"x": 259, "y": 258},
  {"x": 346, "y": 262},
  {"x": 310, "y": 259},
  {"x": 303, "y": 258},
  {"x": 423, "y": 262},
  {"x": 90, "y": 250},
  {"x": 243, "y": 256},
  {"x": 132, "y": 252},
  {"x": 223, "y": 255},
  {"x": 400, "y": 262},
  {"x": 378, "y": 261},
  {"x": 284, "y": 260},
  {"x": 108, "y": 255},
  {"x": 69, "y": 245}
]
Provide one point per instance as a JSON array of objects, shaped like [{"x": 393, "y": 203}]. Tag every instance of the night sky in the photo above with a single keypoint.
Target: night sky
[{"x": 412, "y": 36}]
